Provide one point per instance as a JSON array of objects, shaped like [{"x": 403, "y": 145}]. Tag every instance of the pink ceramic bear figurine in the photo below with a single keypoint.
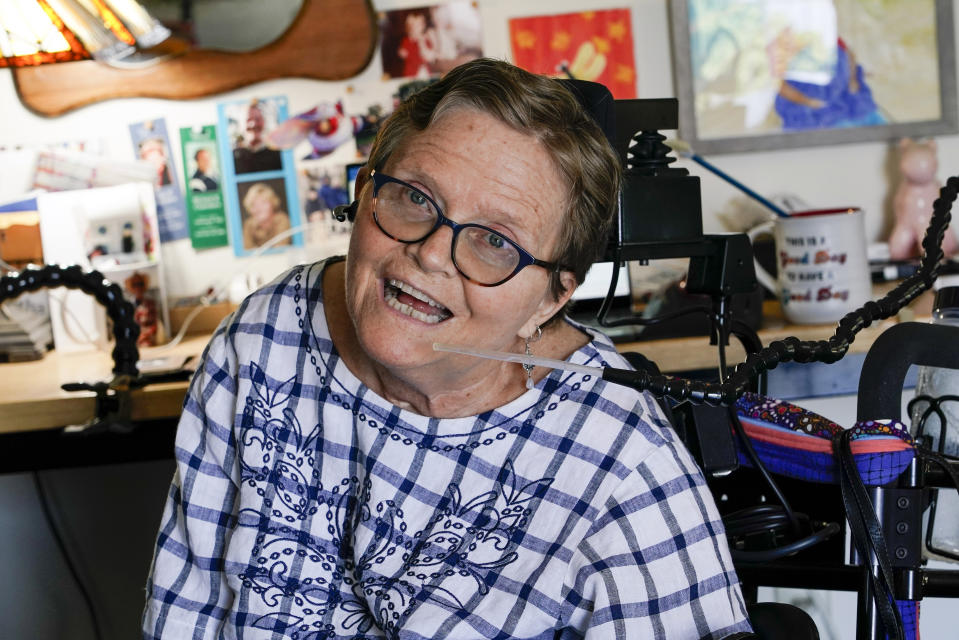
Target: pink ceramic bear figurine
[{"x": 912, "y": 203}]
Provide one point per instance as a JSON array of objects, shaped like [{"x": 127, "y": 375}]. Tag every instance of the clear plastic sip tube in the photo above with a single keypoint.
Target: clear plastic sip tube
[{"x": 938, "y": 384}]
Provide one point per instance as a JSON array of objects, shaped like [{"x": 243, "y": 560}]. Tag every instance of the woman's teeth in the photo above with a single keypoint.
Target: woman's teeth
[{"x": 437, "y": 312}]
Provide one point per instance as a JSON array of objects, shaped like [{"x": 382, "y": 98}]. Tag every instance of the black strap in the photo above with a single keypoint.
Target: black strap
[{"x": 866, "y": 532}]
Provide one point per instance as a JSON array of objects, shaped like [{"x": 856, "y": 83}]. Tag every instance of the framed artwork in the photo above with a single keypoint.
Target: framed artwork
[{"x": 768, "y": 74}]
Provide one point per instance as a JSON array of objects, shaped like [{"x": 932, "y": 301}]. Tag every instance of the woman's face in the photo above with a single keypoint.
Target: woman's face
[
  {"x": 477, "y": 170},
  {"x": 261, "y": 207}
]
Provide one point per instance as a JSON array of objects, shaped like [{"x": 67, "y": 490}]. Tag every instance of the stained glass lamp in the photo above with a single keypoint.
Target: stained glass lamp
[{"x": 34, "y": 32}]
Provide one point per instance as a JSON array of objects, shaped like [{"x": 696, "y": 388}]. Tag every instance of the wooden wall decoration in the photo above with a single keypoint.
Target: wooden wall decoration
[{"x": 328, "y": 40}]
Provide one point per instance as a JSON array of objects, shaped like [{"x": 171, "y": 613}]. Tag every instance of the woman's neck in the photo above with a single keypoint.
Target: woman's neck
[{"x": 448, "y": 396}]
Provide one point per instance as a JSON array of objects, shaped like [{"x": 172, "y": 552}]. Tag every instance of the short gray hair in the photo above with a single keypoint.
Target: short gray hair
[{"x": 545, "y": 109}]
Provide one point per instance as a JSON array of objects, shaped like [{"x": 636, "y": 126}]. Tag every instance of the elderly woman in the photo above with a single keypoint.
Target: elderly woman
[{"x": 337, "y": 477}]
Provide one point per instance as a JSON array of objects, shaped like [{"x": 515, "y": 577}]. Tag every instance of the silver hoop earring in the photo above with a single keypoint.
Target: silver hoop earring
[{"x": 529, "y": 367}]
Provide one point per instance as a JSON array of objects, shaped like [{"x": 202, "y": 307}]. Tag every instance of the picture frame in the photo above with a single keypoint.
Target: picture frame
[
  {"x": 776, "y": 80},
  {"x": 259, "y": 181}
]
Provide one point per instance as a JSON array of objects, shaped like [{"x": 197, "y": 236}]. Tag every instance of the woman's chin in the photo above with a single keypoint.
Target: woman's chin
[{"x": 407, "y": 343}]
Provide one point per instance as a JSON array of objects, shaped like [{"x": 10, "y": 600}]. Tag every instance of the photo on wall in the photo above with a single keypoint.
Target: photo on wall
[
  {"x": 427, "y": 41},
  {"x": 325, "y": 186},
  {"x": 259, "y": 181},
  {"x": 323, "y": 129},
  {"x": 374, "y": 102},
  {"x": 341, "y": 128},
  {"x": 201, "y": 162},
  {"x": 247, "y": 125},
  {"x": 264, "y": 212}
]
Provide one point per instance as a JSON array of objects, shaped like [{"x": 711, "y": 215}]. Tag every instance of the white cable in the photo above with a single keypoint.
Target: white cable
[{"x": 65, "y": 312}]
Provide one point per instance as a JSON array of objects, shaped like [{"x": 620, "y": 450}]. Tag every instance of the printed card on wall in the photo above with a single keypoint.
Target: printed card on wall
[
  {"x": 259, "y": 181},
  {"x": 152, "y": 144},
  {"x": 590, "y": 45},
  {"x": 204, "y": 193}
]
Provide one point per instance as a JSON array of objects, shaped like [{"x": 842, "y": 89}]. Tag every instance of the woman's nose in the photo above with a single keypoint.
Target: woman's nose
[{"x": 435, "y": 252}]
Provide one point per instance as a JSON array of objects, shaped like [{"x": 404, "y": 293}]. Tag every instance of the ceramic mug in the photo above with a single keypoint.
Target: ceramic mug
[{"x": 823, "y": 271}]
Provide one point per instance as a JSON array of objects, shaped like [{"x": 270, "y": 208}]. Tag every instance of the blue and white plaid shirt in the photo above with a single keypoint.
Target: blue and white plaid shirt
[{"x": 306, "y": 506}]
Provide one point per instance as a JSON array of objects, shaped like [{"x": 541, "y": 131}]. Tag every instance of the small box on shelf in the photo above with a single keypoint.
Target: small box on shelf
[{"x": 205, "y": 321}]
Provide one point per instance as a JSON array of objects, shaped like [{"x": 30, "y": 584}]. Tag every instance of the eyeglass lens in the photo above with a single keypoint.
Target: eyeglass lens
[{"x": 481, "y": 254}]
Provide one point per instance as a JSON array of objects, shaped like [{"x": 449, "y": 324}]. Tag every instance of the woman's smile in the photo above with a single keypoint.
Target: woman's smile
[{"x": 410, "y": 301}]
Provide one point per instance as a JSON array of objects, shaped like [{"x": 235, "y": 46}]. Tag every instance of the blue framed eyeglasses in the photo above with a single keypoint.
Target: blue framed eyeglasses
[{"x": 480, "y": 254}]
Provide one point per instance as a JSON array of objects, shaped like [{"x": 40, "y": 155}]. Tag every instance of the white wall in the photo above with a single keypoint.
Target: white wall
[{"x": 853, "y": 174}]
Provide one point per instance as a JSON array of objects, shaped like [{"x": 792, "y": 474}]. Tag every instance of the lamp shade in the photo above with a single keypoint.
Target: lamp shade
[{"x": 34, "y": 32}]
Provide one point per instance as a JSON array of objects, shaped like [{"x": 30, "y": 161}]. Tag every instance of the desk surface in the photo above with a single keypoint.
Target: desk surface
[{"x": 31, "y": 398}]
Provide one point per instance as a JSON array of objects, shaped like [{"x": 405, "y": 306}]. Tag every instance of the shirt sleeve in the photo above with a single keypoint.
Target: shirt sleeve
[
  {"x": 187, "y": 594},
  {"x": 655, "y": 563}
]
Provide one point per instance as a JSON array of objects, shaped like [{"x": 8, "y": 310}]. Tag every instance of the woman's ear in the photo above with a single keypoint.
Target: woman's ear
[{"x": 549, "y": 306}]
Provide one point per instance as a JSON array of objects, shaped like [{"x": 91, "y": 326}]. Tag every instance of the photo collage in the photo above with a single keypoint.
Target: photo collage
[{"x": 265, "y": 177}]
